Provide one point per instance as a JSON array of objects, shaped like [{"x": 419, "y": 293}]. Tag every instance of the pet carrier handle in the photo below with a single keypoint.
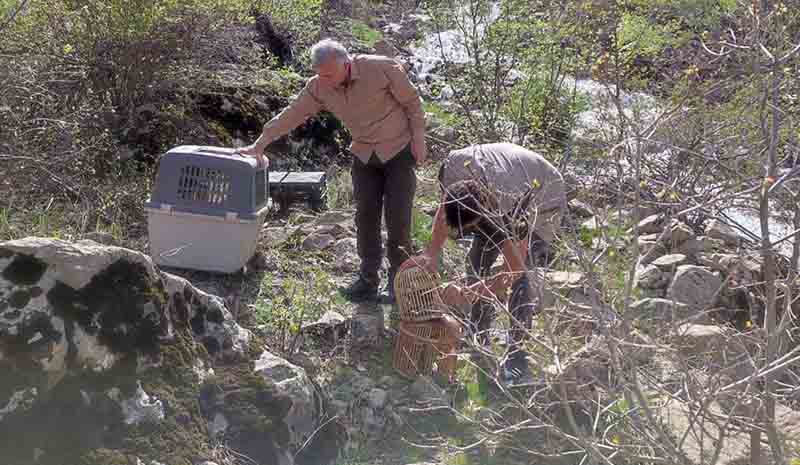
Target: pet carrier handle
[{"x": 219, "y": 150}]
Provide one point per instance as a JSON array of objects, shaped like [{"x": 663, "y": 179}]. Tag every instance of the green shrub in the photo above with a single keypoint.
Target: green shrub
[
  {"x": 365, "y": 34},
  {"x": 284, "y": 305}
]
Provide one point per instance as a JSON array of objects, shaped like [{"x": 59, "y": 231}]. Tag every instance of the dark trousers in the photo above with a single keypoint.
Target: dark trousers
[
  {"x": 525, "y": 300},
  {"x": 389, "y": 188}
]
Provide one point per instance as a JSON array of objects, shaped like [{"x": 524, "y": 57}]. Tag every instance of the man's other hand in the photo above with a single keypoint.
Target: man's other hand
[{"x": 420, "y": 150}]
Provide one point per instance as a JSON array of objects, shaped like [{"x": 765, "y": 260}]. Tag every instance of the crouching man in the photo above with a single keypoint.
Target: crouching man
[{"x": 510, "y": 200}]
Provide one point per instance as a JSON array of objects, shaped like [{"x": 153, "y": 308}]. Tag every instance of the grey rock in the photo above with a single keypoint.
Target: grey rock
[
  {"x": 651, "y": 224},
  {"x": 292, "y": 382},
  {"x": 650, "y": 277},
  {"x": 445, "y": 134},
  {"x": 142, "y": 408},
  {"x": 100, "y": 237},
  {"x": 652, "y": 312},
  {"x": 670, "y": 262},
  {"x": 579, "y": 208},
  {"x": 277, "y": 235},
  {"x": 656, "y": 250},
  {"x": 220, "y": 333},
  {"x": 680, "y": 233},
  {"x": 592, "y": 224},
  {"x": 716, "y": 229},
  {"x": 340, "y": 217},
  {"x": 425, "y": 389},
  {"x": 366, "y": 326},
  {"x": 316, "y": 241},
  {"x": 644, "y": 244},
  {"x": 695, "y": 286}
]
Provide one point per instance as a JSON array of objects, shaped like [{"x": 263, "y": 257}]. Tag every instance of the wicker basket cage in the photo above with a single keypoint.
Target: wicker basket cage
[
  {"x": 425, "y": 347},
  {"x": 417, "y": 295}
]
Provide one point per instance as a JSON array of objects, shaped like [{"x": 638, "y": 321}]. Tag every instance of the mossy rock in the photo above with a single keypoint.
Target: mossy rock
[{"x": 77, "y": 422}]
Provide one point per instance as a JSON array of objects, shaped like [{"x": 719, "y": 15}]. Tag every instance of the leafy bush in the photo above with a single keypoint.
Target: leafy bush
[
  {"x": 286, "y": 304},
  {"x": 365, "y": 34}
]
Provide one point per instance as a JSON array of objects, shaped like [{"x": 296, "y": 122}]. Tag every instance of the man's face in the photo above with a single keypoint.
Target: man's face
[{"x": 333, "y": 73}]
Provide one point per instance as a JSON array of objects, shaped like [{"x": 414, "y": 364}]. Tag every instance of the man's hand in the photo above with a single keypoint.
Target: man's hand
[
  {"x": 454, "y": 295},
  {"x": 256, "y": 152},
  {"x": 419, "y": 149},
  {"x": 425, "y": 261}
]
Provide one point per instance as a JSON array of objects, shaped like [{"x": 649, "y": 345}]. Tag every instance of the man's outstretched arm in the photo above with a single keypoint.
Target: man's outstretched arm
[{"x": 302, "y": 108}]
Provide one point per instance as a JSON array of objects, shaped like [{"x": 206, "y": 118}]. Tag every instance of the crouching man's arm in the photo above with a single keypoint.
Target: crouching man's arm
[
  {"x": 430, "y": 258},
  {"x": 514, "y": 255}
]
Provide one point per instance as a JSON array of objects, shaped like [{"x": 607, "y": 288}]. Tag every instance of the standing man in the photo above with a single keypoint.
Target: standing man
[
  {"x": 374, "y": 99},
  {"x": 510, "y": 200}
]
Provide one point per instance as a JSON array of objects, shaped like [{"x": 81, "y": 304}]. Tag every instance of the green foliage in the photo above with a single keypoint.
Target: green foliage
[
  {"x": 6, "y": 8},
  {"x": 365, "y": 34},
  {"x": 421, "y": 227},
  {"x": 499, "y": 45},
  {"x": 446, "y": 117},
  {"x": 339, "y": 192},
  {"x": 285, "y": 304},
  {"x": 697, "y": 15},
  {"x": 542, "y": 108},
  {"x": 636, "y": 36}
]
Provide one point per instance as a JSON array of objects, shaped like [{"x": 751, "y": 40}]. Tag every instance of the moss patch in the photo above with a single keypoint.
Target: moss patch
[
  {"x": 254, "y": 410},
  {"x": 122, "y": 305},
  {"x": 25, "y": 270},
  {"x": 21, "y": 368},
  {"x": 71, "y": 432},
  {"x": 19, "y": 298}
]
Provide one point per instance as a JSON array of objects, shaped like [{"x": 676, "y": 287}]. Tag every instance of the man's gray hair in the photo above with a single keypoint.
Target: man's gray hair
[{"x": 324, "y": 50}]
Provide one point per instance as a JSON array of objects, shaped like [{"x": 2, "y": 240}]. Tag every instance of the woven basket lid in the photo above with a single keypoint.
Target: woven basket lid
[{"x": 417, "y": 294}]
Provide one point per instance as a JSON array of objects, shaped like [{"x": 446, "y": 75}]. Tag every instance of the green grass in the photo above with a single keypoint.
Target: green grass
[
  {"x": 340, "y": 190},
  {"x": 285, "y": 303},
  {"x": 7, "y": 230},
  {"x": 447, "y": 118},
  {"x": 365, "y": 34},
  {"x": 421, "y": 227}
]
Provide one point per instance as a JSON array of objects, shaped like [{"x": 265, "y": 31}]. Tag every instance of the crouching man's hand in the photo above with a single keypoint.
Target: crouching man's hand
[{"x": 425, "y": 261}]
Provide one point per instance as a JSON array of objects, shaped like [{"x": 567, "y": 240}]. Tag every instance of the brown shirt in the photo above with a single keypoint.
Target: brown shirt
[
  {"x": 511, "y": 170},
  {"x": 378, "y": 104}
]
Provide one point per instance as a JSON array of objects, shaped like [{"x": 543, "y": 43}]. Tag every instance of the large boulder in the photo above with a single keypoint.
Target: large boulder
[
  {"x": 103, "y": 355},
  {"x": 81, "y": 306}
]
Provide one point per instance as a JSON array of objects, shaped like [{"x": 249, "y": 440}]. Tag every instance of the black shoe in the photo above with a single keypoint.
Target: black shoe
[
  {"x": 515, "y": 372},
  {"x": 360, "y": 291}
]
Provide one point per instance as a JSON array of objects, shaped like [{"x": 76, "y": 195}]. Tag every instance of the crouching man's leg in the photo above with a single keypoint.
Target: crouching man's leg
[{"x": 525, "y": 302}]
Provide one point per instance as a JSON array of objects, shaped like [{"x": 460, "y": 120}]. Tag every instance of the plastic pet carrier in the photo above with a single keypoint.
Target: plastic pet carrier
[{"x": 206, "y": 209}]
